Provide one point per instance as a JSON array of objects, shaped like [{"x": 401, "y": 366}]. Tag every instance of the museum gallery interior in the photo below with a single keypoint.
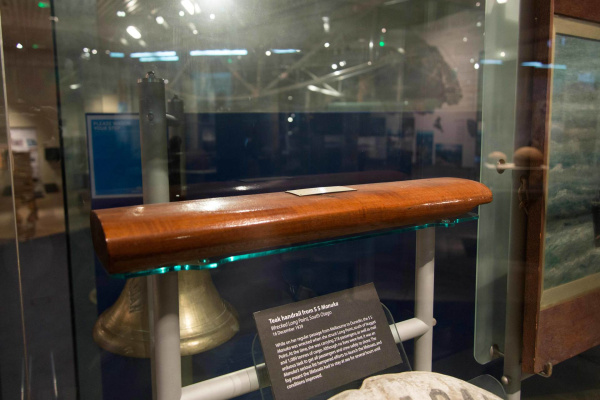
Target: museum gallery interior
[{"x": 293, "y": 200}]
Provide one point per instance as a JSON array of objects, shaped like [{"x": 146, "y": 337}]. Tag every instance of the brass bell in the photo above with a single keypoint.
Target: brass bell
[{"x": 205, "y": 319}]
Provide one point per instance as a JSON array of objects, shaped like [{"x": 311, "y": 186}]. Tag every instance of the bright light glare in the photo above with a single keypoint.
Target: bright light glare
[
  {"x": 285, "y": 51},
  {"x": 383, "y": 30},
  {"x": 75, "y": 86},
  {"x": 327, "y": 92},
  {"x": 219, "y": 52},
  {"x": 501, "y": 1},
  {"x": 371, "y": 44},
  {"x": 86, "y": 50},
  {"x": 121, "y": 14},
  {"x": 94, "y": 51},
  {"x": 333, "y": 66},
  {"x": 502, "y": 54},
  {"x": 153, "y": 54},
  {"x": 212, "y": 16},
  {"x": 133, "y": 32},
  {"x": 19, "y": 46},
  {"x": 189, "y": 6},
  {"x": 195, "y": 31},
  {"x": 342, "y": 63},
  {"x": 326, "y": 44},
  {"x": 160, "y": 20},
  {"x": 151, "y": 59},
  {"x": 290, "y": 119},
  {"x": 182, "y": 13},
  {"x": 268, "y": 53},
  {"x": 476, "y": 66}
]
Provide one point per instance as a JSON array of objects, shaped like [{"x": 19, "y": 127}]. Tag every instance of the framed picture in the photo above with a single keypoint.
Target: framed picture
[{"x": 562, "y": 275}]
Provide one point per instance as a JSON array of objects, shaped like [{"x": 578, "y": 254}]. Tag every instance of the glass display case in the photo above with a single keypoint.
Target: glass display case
[{"x": 264, "y": 97}]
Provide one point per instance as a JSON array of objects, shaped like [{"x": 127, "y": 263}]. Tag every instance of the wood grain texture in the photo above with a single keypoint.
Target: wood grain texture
[
  {"x": 138, "y": 238},
  {"x": 568, "y": 329},
  {"x": 587, "y": 10},
  {"x": 539, "y": 27}
]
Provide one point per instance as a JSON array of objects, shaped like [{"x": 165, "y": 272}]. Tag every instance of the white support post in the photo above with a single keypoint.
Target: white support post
[
  {"x": 163, "y": 290},
  {"x": 424, "y": 279}
]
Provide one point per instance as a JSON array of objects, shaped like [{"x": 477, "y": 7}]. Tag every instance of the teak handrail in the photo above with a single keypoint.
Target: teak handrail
[{"x": 139, "y": 238}]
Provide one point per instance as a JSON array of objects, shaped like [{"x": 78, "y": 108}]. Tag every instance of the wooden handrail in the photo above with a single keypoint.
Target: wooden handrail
[{"x": 138, "y": 238}]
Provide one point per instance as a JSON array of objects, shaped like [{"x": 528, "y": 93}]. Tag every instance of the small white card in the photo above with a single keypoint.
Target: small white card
[{"x": 320, "y": 190}]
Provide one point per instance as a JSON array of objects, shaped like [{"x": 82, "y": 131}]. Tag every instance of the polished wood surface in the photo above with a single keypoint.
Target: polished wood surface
[{"x": 138, "y": 238}]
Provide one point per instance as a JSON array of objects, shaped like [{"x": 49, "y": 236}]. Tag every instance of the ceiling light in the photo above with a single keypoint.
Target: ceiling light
[
  {"x": 160, "y": 20},
  {"x": 333, "y": 66},
  {"x": 121, "y": 14},
  {"x": 133, "y": 32},
  {"x": 212, "y": 16},
  {"x": 219, "y": 52},
  {"x": 326, "y": 44},
  {"x": 189, "y": 6},
  {"x": 94, "y": 51},
  {"x": 154, "y": 54},
  {"x": 182, "y": 13},
  {"x": 268, "y": 53},
  {"x": 285, "y": 51},
  {"x": 19, "y": 46}
]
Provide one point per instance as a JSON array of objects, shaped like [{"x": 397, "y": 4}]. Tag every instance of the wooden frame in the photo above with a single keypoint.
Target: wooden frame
[{"x": 555, "y": 330}]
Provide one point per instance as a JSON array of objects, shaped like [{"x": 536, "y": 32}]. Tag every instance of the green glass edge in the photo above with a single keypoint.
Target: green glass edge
[{"x": 210, "y": 264}]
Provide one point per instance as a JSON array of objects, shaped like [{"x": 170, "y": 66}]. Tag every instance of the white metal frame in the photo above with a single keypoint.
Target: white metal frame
[{"x": 165, "y": 331}]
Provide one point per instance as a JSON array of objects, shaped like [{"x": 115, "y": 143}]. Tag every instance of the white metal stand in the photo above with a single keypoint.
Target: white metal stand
[
  {"x": 424, "y": 279},
  {"x": 246, "y": 380}
]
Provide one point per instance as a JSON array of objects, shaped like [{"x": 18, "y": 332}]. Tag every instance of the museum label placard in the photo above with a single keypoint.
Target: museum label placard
[{"x": 318, "y": 344}]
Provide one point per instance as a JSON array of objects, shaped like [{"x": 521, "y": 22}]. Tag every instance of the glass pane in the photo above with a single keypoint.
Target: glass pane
[
  {"x": 572, "y": 228},
  {"x": 270, "y": 96},
  {"x": 12, "y": 339},
  {"x": 47, "y": 366},
  {"x": 498, "y": 142}
]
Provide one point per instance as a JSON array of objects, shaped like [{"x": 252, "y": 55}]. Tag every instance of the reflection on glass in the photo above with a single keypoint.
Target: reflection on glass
[
  {"x": 272, "y": 96},
  {"x": 574, "y": 170}
]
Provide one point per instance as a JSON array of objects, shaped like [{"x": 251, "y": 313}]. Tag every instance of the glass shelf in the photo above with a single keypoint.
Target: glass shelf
[{"x": 214, "y": 263}]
